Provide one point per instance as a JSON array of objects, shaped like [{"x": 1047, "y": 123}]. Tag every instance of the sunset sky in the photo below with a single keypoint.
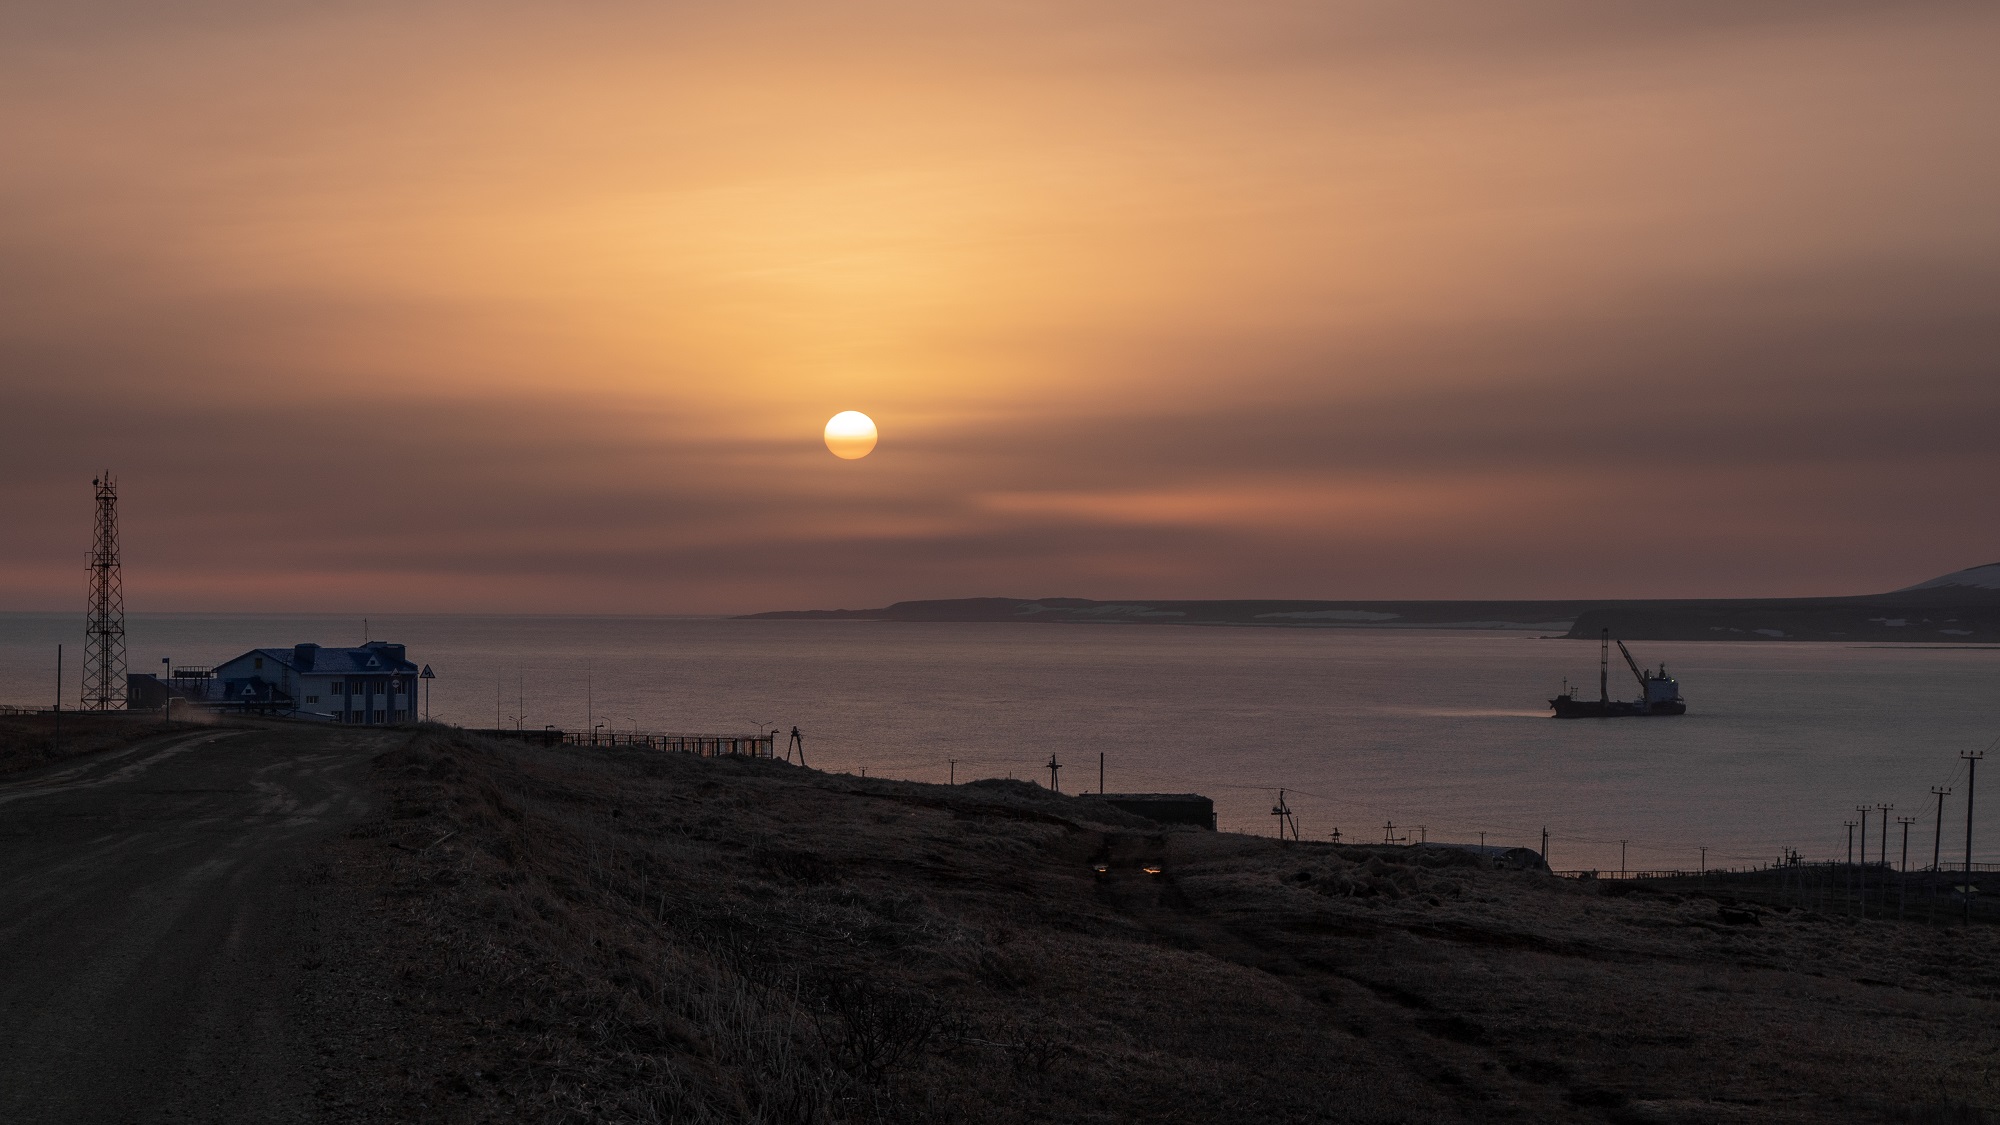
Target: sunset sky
[{"x": 531, "y": 307}]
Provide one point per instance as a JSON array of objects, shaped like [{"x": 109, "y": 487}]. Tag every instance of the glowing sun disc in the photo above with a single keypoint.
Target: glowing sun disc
[{"x": 850, "y": 434}]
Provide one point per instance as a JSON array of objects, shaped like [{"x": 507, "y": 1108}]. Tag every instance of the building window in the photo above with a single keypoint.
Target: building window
[
  {"x": 335, "y": 687},
  {"x": 260, "y": 662},
  {"x": 312, "y": 699}
]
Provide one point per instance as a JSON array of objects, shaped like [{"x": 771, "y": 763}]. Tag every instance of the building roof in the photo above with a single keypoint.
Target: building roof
[{"x": 372, "y": 659}]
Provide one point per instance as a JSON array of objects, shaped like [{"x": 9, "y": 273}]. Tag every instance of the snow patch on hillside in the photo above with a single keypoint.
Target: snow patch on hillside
[
  {"x": 1978, "y": 577},
  {"x": 1332, "y": 615}
]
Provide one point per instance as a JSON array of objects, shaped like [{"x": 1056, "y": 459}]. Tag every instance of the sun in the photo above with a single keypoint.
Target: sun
[{"x": 850, "y": 434}]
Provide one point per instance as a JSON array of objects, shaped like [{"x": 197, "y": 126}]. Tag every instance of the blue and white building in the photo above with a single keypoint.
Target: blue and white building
[{"x": 370, "y": 685}]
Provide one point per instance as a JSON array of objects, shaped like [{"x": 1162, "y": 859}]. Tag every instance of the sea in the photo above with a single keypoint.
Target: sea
[{"x": 1375, "y": 734}]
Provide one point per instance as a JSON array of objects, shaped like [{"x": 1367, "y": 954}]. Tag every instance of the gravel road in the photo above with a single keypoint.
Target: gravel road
[{"x": 159, "y": 913}]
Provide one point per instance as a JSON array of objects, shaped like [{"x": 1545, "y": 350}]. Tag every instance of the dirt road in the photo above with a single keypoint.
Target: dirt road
[{"x": 159, "y": 922}]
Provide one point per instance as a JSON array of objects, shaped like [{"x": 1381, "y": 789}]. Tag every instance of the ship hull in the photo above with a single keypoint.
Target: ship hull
[{"x": 1568, "y": 708}]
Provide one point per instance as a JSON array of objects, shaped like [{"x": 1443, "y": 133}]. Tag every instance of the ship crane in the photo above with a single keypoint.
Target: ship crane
[
  {"x": 1659, "y": 693},
  {"x": 1632, "y": 664}
]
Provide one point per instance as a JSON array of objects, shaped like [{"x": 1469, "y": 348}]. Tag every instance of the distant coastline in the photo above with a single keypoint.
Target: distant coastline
[{"x": 1960, "y": 608}]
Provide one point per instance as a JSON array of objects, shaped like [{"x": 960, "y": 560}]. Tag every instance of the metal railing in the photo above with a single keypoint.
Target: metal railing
[
  {"x": 1817, "y": 865},
  {"x": 701, "y": 745}
]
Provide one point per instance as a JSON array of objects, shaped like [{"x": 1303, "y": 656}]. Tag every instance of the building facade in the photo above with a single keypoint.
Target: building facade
[{"x": 370, "y": 685}]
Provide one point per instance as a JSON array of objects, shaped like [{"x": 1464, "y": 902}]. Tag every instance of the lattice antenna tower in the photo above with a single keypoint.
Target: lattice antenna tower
[{"x": 104, "y": 640}]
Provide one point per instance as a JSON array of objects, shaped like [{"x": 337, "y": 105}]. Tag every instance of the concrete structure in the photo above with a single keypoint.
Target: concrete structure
[
  {"x": 1167, "y": 808},
  {"x": 370, "y": 685}
]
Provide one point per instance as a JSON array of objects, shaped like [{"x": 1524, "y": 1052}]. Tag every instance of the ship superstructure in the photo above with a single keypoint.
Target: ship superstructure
[{"x": 1659, "y": 693}]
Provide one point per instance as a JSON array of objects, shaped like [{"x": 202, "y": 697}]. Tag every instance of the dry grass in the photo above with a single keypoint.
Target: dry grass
[
  {"x": 617, "y": 936},
  {"x": 28, "y": 741}
]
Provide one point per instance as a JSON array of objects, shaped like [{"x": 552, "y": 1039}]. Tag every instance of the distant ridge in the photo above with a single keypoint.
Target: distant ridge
[
  {"x": 1960, "y": 607},
  {"x": 1544, "y": 615},
  {"x": 1985, "y": 577}
]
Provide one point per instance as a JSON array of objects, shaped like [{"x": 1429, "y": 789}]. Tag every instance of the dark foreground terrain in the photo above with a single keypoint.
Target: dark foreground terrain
[
  {"x": 30, "y": 741},
  {"x": 360, "y": 926},
  {"x": 159, "y": 924},
  {"x": 622, "y": 936}
]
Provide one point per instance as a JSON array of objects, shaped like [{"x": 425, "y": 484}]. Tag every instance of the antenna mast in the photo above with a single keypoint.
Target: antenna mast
[
  {"x": 104, "y": 637},
  {"x": 1604, "y": 667}
]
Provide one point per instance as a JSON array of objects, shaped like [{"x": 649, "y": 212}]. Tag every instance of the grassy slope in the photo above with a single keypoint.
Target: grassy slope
[
  {"x": 625, "y": 937},
  {"x": 28, "y": 741}
]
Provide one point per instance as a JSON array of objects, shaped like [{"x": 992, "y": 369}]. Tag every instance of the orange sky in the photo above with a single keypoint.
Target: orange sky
[{"x": 454, "y": 306}]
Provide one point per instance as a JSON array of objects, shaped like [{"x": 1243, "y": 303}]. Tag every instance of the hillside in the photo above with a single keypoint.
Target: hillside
[
  {"x": 622, "y": 936},
  {"x": 1962, "y": 607}
]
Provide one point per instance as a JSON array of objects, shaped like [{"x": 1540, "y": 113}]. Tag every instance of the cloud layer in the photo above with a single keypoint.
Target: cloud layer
[{"x": 454, "y": 306}]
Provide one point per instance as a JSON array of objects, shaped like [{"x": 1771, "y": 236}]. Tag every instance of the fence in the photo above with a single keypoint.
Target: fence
[
  {"x": 1871, "y": 867},
  {"x": 702, "y": 745}
]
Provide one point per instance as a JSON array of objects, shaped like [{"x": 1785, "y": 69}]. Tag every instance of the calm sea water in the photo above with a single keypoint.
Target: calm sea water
[{"x": 1443, "y": 730}]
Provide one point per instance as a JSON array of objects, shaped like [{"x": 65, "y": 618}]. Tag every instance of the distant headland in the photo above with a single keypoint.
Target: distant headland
[{"x": 1961, "y": 607}]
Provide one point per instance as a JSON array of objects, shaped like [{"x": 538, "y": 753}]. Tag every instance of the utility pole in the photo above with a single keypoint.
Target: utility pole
[
  {"x": 1284, "y": 814},
  {"x": 1937, "y": 834},
  {"x": 1423, "y": 833},
  {"x": 1937, "y": 845},
  {"x": 1053, "y": 767},
  {"x": 1482, "y": 839},
  {"x": 1100, "y": 773},
  {"x": 1861, "y": 872},
  {"x": 1903, "y": 883},
  {"x": 1545, "y": 845},
  {"x": 1882, "y": 852},
  {"x": 1850, "y": 855},
  {"x": 1971, "y": 772},
  {"x": 953, "y": 761},
  {"x": 59, "y": 679},
  {"x": 1704, "y": 863},
  {"x": 1621, "y": 858}
]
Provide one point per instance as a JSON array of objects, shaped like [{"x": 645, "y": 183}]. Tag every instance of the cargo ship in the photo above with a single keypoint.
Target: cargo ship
[{"x": 1659, "y": 693}]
